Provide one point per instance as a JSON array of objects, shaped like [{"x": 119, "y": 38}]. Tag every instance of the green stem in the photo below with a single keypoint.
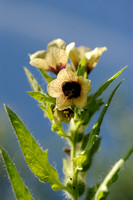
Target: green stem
[{"x": 75, "y": 172}]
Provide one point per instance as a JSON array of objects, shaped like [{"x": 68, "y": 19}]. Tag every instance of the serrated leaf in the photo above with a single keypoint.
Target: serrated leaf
[
  {"x": 46, "y": 76},
  {"x": 81, "y": 69},
  {"x": 48, "y": 110},
  {"x": 35, "y": 157},
  {"x": 111, "y": 177},
  {"x": 33, "y": 82},
  {"x": 44, "y": 98},
  {"x": 107, "y": 83},
  {"x": 19, "y": 188}
]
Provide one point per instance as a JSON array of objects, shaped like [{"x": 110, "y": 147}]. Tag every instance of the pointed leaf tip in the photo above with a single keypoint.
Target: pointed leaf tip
[
  {"x": 36, "y": 158},
  {"x": 104, "y": 86},
  {"x": 19, "y": 188}
]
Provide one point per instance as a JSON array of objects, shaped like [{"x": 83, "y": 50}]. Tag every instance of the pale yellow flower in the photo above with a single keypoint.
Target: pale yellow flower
[
  {"x": 69, "y": 89},
  {"x": 92, "y": 56},
  {"x": 54, "y": 59},
  {"x": 76, "y": 54}
]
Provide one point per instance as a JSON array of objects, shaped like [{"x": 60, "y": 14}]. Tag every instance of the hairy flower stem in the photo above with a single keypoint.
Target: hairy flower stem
[
  {"x": 74, "y": 132},
  {"x": 75, "y": 174}
]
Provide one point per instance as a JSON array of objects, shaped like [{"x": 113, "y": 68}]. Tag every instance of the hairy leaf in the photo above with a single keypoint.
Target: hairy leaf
[
  {"x": 96, "y": 128},
  {"x": 18, "y": 185},
  {"x": 111, "y": 177},
  {"x": 48, "y": 110},
  {"x": 36, "y": 158},
  {"x": 91, "y": 192},
  {"x": 84, "y": 160},
  {"x": 93, "y": 105},
  {"x": 59, "y": 129},
  {"x": 46, "y": 76},
  {"x": 33, "y": 82},
  {"x": 39, "y": 96},
  {"x": 91, "y": 146}
]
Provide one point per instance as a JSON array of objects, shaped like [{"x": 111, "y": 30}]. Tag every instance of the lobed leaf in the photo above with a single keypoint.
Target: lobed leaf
[
  {"x": 36, "y": 158},
  {"x": 111, "y": 177},
  {"x": 19, "y": 188},
  {"x": 33, "y": 82},
  {"x": 44, "y": 98}
]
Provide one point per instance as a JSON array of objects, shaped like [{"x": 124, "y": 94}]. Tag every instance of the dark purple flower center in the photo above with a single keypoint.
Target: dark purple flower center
[
  {"x": 58, "y": 68},
  {"x": 62, "y": 66},
  {"x": 71, "y": 89}
]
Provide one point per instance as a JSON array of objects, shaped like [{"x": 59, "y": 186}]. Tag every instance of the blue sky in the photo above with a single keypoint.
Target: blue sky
[{"x": 28, "y": 26}]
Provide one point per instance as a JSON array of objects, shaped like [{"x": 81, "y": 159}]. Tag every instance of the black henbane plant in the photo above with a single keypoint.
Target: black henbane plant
[{"x": 68, "y": 100}]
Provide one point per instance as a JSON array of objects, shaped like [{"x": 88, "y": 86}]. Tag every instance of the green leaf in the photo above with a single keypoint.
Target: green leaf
[
  {"x": 111, "y": 177},
  {"x": 96, "y": 128},
  {"x": 107, "y": 83},
  {"x": 35, "y": 157},
  {"x": 44, "y": 98},
  {"x": 48, "y": 111},
  {"x": 84, "y": 160},
  {"x": 93, "y": 105},
  {"x": 18, "y": 185},
  {"x": 91, "y": 146},
  {"x": 81, "y": 69},
  {"x": 33, "y": 82},
  {"x": 46, "y": 76},
  {"x": 91, "y": 192},
  {"x": 59, "y": 129}
]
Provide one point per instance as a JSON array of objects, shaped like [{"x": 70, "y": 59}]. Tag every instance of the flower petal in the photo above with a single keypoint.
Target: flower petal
[
  {"x": 85, "y": 85},
  {"x": 54, "y": 88},
  {"x": 40, "y": 63},
  {"x": 93, "y": 56},
  {"x": 76, "y": 54},
  {"x": 59, "y": 55},
  {"x": 81, "y": 101},
  {"x": 38, "y": 54},
  {"x": 69, "y": 47},
  {"x": 63, "y": 103},
  {"x": 66, "y": 74},
  {"x": 59, "y": 43}
]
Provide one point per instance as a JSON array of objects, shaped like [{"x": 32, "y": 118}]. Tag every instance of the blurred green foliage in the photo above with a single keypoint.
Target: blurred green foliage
[{"x": 117, "y": 138}]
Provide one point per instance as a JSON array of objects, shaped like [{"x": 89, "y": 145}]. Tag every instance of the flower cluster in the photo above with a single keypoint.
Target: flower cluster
[
  {"x": 68, "y": 88},
  {"x": 54, "y": 58}
]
